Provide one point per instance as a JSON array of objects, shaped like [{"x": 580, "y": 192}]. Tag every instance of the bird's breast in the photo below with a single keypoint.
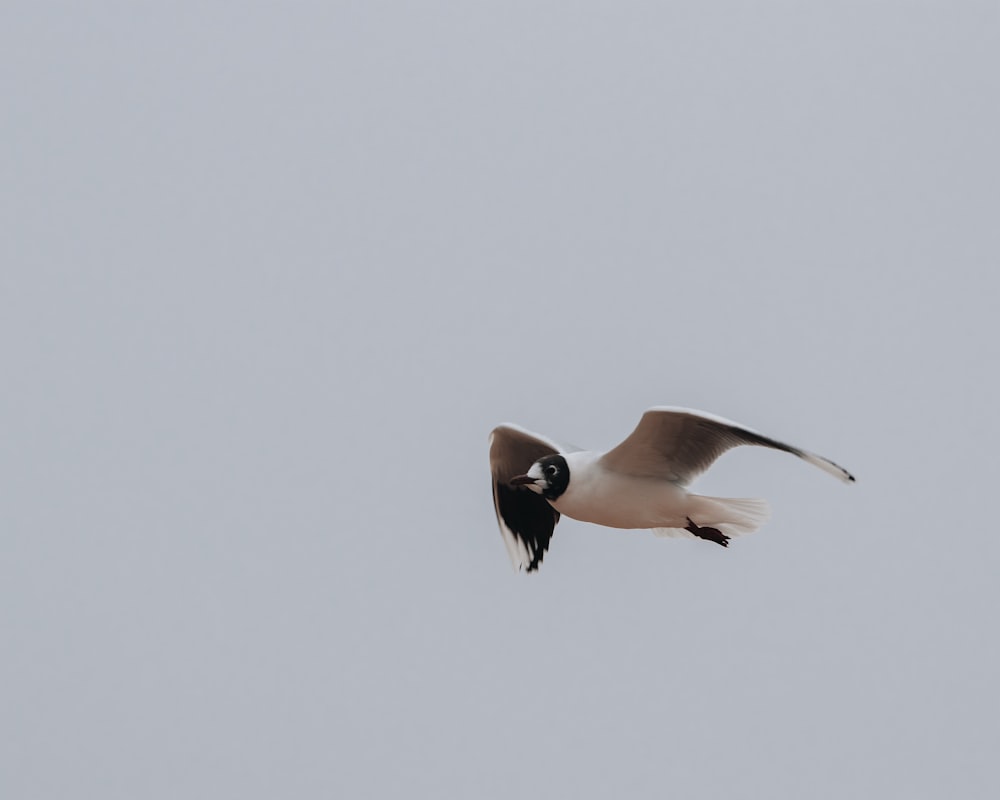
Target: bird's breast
[{"x": 609, "y": 498}]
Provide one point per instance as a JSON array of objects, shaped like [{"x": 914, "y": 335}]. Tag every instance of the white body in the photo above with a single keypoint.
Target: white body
[{"x": 606, "y": 497}]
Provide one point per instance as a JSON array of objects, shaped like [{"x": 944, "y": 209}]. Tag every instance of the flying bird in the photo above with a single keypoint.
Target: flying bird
[{"x": 641, "y": 483}]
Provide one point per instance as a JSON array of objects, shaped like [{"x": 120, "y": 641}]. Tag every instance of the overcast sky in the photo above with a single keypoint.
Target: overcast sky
[{"x": 269, "y": 275}]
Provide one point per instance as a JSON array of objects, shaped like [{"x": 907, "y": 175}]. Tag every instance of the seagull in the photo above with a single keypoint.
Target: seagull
[{"x": 640, "y": 484}]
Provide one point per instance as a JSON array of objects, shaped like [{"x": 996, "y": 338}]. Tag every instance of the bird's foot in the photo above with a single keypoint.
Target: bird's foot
[{"x": 711, "y": 534}]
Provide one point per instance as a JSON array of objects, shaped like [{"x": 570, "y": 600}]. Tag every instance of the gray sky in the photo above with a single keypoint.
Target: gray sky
[{"x": 272, "y": 272}]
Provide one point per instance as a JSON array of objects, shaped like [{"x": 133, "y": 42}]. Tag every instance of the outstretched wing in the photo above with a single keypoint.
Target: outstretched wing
[
  {"x": 678, "y": 444},
  {"x": 526, "y": 519}
]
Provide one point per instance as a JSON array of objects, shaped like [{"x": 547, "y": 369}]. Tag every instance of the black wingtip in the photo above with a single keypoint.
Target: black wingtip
[{"x": 528, "y": 517}]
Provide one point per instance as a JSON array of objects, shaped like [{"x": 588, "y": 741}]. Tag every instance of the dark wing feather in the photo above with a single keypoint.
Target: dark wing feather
[
  {"x": 526, "y": 519},
  {"x": 678, "y": 444}
]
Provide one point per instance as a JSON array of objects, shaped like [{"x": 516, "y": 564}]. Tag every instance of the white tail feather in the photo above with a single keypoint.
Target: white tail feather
[{"x": 734, "y": 516}]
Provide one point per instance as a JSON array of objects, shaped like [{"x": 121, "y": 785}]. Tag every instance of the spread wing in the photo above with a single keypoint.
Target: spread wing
[
  {"x": 526, "y": 519},
  {"x": 678, "y": 444}
]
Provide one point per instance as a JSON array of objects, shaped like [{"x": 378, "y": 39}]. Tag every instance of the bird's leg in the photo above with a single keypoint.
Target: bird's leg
[{"x": 712, "y": 534}]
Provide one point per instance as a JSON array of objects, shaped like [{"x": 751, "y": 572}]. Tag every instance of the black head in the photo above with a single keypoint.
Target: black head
[{"x": 548, "y": 477}]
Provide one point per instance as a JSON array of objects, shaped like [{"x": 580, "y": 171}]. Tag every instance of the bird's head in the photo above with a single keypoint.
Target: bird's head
[{"x": 548, "y": 477}]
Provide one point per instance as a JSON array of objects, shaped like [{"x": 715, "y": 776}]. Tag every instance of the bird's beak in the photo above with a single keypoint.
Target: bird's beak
[{"x": 521, "y": 480}]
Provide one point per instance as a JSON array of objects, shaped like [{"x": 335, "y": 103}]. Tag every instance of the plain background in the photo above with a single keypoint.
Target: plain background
[{"x": 269, "y": 275}]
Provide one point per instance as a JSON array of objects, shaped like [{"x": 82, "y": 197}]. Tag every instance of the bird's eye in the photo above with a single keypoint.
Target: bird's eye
[{"x": 550, "y": 470}]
